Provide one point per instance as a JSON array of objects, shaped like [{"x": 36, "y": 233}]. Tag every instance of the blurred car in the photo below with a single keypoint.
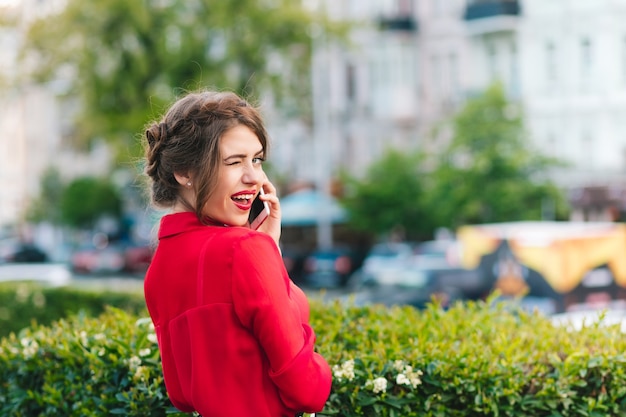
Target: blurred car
[
  {"x": 29, "y": 253},
  {"x": 440, "y": 261},
  {"x": 294, "y": 263},
  {"x": 388, "y": 263},
  {"x": 389, "y": 295},
  {"x": 137, "y": 258},
  {"x": 390, "y": 277},
  {"x": 92, "y": 259},
  {"x": 414, "y": 274},
  {"x": 328, "y": 268},
  {"x": 614, "y": 315},
  {"x": 15, "y": 250}
]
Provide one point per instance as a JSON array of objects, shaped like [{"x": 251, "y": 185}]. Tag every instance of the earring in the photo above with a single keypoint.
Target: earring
[{"x": 188, "y": 183}]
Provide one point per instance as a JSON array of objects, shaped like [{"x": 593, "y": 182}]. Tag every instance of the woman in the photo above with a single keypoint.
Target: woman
[{"x": 232, "y": 328}]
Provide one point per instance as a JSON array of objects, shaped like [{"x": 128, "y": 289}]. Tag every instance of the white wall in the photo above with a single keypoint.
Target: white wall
[{"x": 574, "y": 84}]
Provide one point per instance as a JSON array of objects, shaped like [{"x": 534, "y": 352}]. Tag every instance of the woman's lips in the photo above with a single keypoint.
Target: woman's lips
[{"x": 243, "y": 199}]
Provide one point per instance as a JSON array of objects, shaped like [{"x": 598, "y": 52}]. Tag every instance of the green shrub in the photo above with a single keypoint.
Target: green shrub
[
  {"x": 83, "y": 367},
  {"x": 475, "y": 359},
  {"x": 25, "y": 303}
]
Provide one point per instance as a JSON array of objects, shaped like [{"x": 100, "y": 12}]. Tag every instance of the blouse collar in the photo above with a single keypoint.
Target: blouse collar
[{"x": 176, "y": 223}]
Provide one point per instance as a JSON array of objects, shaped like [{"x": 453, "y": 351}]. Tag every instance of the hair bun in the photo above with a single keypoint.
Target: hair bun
[{"x": 156, "y": 136}]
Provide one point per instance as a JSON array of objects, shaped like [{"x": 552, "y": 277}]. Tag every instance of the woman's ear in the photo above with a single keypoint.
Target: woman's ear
[{"x": 183, "y": 179}]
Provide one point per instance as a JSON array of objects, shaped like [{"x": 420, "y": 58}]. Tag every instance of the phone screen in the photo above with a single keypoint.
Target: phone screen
[{"x": 258, "y": 212}]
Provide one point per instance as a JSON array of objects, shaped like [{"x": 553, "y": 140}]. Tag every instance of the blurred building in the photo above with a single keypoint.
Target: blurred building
[
  {"x": 35, "y": 121},
  {"x": 413, "y": 63},
  {"x": 409, "y": 65}
]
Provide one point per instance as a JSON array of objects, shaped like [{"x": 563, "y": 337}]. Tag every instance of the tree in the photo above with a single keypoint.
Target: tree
[
  {"x": 46, "y": 206},
  {"x": 490, "y": 172},
  {"x": 86, "y": 200},
  {"x": 125, "y": 60},
  {"x": 390, "y": 199}
]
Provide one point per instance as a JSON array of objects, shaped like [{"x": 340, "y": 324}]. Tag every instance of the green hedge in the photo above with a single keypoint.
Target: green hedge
[
  {"x": 474, "y": 359},
  {"x": 25, "y": 303}
]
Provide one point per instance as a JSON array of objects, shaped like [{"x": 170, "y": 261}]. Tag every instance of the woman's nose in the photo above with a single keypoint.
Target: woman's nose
[{"x": 252, "y": 175}]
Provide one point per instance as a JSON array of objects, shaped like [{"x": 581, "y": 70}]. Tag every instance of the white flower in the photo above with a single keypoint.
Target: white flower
[
  {"x": 380, "y": 385},
  {"x": 346, "y": 370},
  {"x": 144, "y": 352},
  {"x": 377, "y": 385},
  {"x": 140, "y": 373},
  {"x": 401, "y": 379},
  {"x": 413, "y": 376},
  {"x": 30, "y": 347},
  {"x": 152, "y": 337},
  {"x": 398, "y": 365},
  {"x": 145, "y": 321},
  {"x": 83, "y": 337},
  {"x": 99, "y": 336},
  {"x": 134, "y": 362}
]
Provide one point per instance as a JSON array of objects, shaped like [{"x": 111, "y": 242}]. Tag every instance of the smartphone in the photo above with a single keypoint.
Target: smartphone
[{"x": 259, "y": 211}]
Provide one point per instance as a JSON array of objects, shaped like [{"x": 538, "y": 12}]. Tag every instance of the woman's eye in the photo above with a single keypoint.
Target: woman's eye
[{"x": 258, "y": 160}]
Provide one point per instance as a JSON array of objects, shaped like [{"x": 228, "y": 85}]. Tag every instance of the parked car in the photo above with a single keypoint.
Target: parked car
[
  {"x": 15, "y": 250},
  {"x": 613, "y": 315},
  {"x": 328, "y": 268},
  {"x": 440, "y": 261},
  {"x": 29, "y": 253},
  {"x": 92, "y": 259},
  {"x": 388, "y": 263},
  {"x": 413, "y": 274},
  {"x": 137, "y": 258},
  {"x": 294, "y": 263}
]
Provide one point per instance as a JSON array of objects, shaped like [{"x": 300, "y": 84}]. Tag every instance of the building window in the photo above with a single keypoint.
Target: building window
[
  {"x": 551, "y": 61},
  {"x": 492, "y": 62},
  {"x": 436, "y": 77},
  {"x": 350, "y": 83},
  {"x": 586, "y": 57},
  {"x": 454, "y": 75}
]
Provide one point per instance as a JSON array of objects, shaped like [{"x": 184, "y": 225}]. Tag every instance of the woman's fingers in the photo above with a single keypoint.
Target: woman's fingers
[{"x": 271, "y": 226}]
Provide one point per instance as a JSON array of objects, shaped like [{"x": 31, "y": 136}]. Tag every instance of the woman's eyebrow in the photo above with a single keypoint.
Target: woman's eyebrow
[
  {"x": 241, "y": 155},
  {"x": 235, "y": 156}
]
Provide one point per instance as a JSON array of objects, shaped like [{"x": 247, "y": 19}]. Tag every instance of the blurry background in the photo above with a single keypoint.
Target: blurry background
[{"x": 409, "y": 118}]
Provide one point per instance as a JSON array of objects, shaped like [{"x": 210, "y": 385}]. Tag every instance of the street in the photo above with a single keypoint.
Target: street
[{"x": 60, "y": 275}]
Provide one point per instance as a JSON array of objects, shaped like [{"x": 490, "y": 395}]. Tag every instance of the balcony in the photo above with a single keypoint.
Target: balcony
[
  {"x": 482, "y": 9},
  {"x": 491, "y": 16},
  {"x": 400, "y": 23}
]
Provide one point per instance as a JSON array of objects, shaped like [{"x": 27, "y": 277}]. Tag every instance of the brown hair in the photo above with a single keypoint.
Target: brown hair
[{"x": 187, "y": 140}]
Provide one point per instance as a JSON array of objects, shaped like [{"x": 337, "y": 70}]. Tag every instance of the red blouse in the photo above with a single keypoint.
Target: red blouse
[{"x": 232, "y": 328}]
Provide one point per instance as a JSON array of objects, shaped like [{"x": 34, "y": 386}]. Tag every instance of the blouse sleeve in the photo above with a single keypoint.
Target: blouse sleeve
[{"x": 263, "y": 304}]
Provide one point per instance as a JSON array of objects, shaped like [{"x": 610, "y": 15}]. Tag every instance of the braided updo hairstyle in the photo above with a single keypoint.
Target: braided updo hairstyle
[{"x": 187, "y": 139}]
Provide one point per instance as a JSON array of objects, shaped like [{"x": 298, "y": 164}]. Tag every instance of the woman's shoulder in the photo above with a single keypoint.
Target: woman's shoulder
[
  {"x": 236, "y": 232},
  {"x": 242, "y": 235}
]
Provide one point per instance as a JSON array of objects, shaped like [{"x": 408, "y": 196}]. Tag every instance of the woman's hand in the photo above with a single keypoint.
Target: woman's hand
[{"x": 271, "y": 225}]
